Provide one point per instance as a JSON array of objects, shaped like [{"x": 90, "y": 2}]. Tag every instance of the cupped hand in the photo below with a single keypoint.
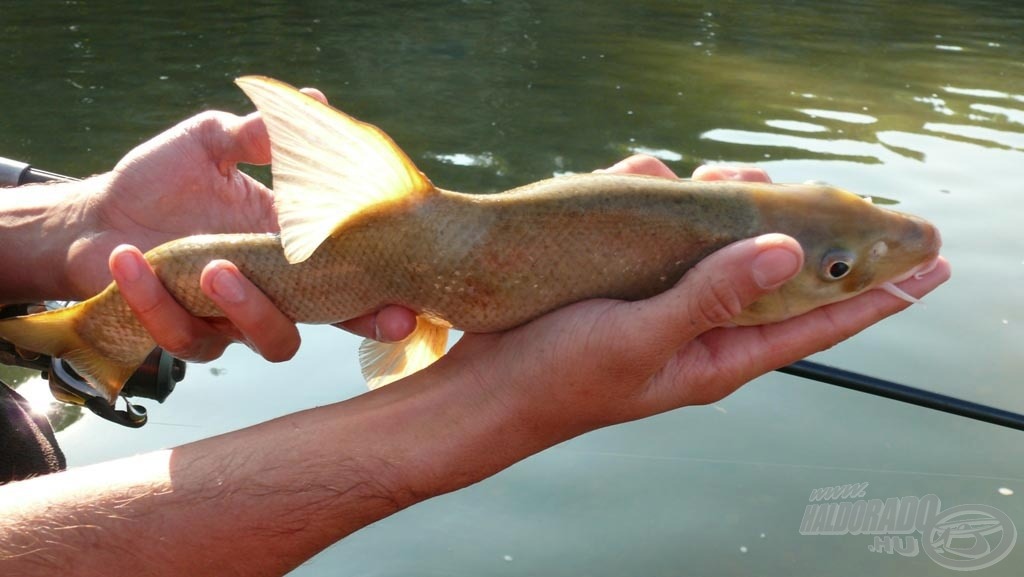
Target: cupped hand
[
  {"x": 182, "y": 182},
  {"x": 602, "y": 361}
]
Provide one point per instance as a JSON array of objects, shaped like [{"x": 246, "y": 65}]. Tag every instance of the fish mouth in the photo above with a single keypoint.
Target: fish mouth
[{"x": 917, "y": 272}]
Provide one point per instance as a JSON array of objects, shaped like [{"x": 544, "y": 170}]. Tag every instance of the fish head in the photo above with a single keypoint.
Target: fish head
[{"x": 850, "y": 246}]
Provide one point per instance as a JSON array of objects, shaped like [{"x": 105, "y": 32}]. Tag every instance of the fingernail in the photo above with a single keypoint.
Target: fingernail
[
  {"x": 128, "y": 267},
  {"x": 227, "y": 286},
  {"x": 774, "y": 267}
]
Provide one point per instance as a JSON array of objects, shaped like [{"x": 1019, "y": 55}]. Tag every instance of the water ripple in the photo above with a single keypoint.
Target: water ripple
[
  {"x": 1012, "y": 114},
  {"x": 989, "y": 135},
  {"x": 796, "y": 126},
  {"x": 660, "y": 153},
  {"x": 848, "y": 117},
  {"x": 484, "y": 159},
  {"x": 832, "y": 147},
  {"x": 983, "y": 93}
]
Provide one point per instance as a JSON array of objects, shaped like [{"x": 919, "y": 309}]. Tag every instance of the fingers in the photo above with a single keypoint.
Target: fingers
[
  {"x": 262, "y": 325},
  {"x": 641, "y": 164},
  {"x": 651, "y": 166},
  {"x": 783, "y": 343},
  {"x": 246, "y": 140},
  {"x": 727, "y": 358},
  {"x": 709, "y": 295},
  {"x": 251, "y": 317},
  {"x": 173, "y": 328},
  {"x": 717, "y": 172},
  {"x": 243, "y": 139},
  {"x": 390, "y": 324}
]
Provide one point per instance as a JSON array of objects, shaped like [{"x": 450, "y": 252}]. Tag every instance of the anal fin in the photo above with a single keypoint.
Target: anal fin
[{"x": 385, "y": 363}]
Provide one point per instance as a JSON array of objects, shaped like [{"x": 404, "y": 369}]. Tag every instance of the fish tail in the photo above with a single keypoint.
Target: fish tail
[{"x": 55, "y": 333}]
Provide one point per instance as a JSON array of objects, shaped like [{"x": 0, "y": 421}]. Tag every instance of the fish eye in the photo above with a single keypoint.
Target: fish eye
[
  {"x": 838, "y": 269},
  {"x": 837, "y": 264}
]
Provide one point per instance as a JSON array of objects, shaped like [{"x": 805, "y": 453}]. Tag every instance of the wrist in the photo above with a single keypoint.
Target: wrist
[
  {"x": 39, "y": 225},
  {"x": 448, "y": 431}
]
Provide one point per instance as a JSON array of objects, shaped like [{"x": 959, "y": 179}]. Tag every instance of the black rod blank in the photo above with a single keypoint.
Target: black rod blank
[{"x": 904, "y": 393}]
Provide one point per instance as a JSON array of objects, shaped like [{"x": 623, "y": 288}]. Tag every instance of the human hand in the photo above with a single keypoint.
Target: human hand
[
  {"x": 601, "y": 362},
  {"x": 182, "y": 182},
  {"x": 249, "y": 316}
]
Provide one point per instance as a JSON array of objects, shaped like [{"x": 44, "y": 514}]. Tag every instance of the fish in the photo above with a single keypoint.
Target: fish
[{"x": 361, "y": 227}]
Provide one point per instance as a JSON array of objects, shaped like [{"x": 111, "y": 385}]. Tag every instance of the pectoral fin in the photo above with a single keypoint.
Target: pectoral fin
[
  {"x": 385, "y": 363},
  {"x": 327, "y": 166}
]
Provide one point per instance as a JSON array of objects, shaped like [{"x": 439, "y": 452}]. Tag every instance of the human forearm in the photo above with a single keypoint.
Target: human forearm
[
  {"x": 40, "y": 227},
  {"x": 261, "y": 500},
  {"x": 291, "y": 486}
]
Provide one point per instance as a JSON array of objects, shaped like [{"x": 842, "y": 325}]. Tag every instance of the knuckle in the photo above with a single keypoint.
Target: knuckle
[
  {"x": 213, "y": 128},
  {"x": 210, "y": 120},
  {"x": 144, "y": 306},
  {"x": 717, "y": 303},
  {"x": 143, "y": 297}
]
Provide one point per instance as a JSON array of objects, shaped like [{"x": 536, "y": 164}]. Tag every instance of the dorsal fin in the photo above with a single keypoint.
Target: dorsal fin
[{"x": 327, "y": 166}]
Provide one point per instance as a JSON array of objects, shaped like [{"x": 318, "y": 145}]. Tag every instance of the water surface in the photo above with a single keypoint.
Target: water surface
[{"x": 921, "y": 103}]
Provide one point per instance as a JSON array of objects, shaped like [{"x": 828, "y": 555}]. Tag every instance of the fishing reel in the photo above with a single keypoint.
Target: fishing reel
[{"x": 155, "y": 378}]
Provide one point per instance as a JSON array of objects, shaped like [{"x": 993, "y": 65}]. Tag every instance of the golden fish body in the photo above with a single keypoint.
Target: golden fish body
[{"x": 480, "y": 263}]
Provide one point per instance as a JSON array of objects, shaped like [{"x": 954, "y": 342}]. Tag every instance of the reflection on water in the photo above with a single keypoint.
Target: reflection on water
[
  {"x": 37, "y": 392},
  {"x": 984, "y": 136},
  {"x": 920, "y": 102}
]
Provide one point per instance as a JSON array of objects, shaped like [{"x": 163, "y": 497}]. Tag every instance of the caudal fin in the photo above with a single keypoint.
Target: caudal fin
[{"x": 54, "y": 333}]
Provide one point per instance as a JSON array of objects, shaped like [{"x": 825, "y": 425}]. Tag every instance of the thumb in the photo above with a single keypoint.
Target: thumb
[
  {"x": 709, "y": 295},
  {"x": 246, "y": 141}
]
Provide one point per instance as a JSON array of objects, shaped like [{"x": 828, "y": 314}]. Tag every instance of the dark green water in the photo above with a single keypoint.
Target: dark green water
[{"x": 922, "y": 103}]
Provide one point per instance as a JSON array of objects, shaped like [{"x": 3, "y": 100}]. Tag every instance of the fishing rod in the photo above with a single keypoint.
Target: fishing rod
[
  {"x": 14, "y": 173},
  {"x": 904, "y": 393}
]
